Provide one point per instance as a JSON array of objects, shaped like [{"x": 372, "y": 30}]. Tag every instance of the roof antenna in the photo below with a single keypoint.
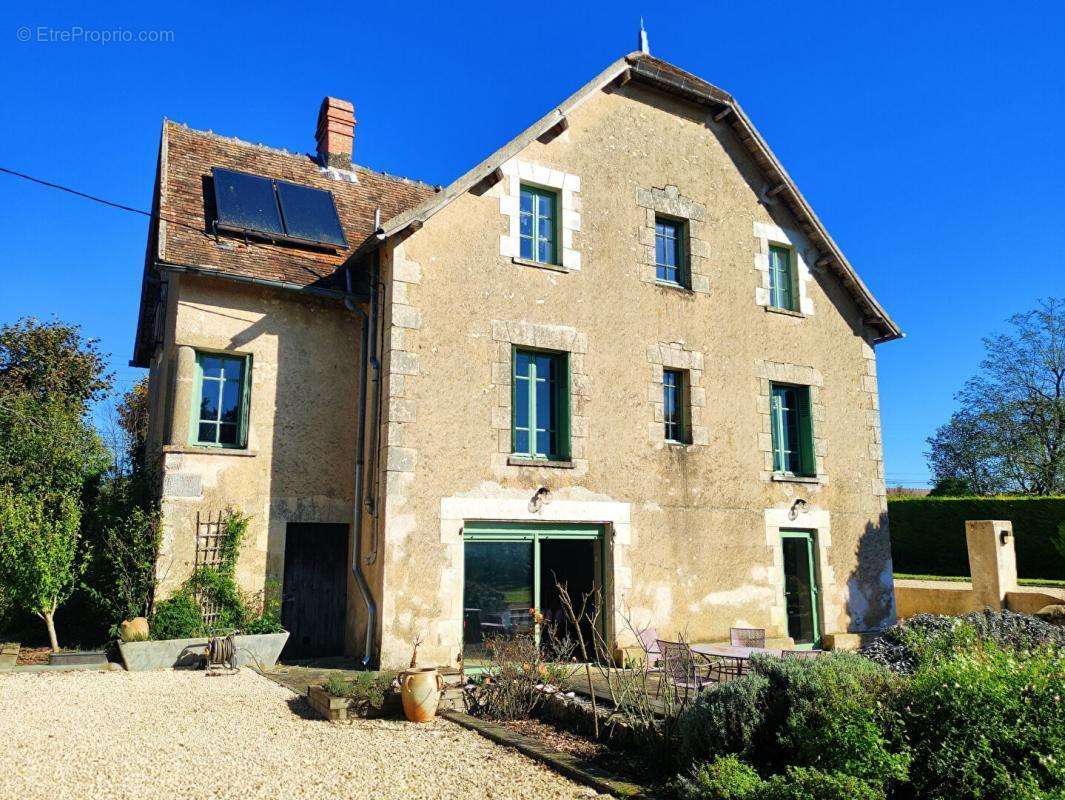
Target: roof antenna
[{"x": 645, "y": 48}]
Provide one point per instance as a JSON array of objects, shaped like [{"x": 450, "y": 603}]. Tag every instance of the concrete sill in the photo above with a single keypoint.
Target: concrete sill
[
  {"x": 518, "y": 461},
  {"x": 209, "y": 451},
  {"x": 674, "y": 286},
  {"x": 782, "y": 478},
  {"x": 787, "y": 312},
  {"x": 539, "y": 264}
]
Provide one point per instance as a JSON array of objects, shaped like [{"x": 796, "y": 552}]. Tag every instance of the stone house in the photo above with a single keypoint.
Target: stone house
[{"x": 621, "y": 353}]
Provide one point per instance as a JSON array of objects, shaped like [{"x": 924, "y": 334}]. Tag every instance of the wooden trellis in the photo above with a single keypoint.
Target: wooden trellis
[{"x": 210, "y": 529}]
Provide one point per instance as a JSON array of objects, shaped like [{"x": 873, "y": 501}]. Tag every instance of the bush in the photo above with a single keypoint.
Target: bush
[
  {"x": 263, "y": 612},
  {"x": 835, "y": 714},
  {"x": 725, "y": 778},
  {"x": 988, "y": 724},
  {"x": 366, "y": 690},
  {"x": 728, "y": 719},
  {"x": 924, "y": 637},
  {"x": 928, "y": 533},
  {"x": 177, "y": 617},
  {"x": 217, "y": 586},
  {"x": 519, "y": 670},
  {"x": 805, "y": 783}
]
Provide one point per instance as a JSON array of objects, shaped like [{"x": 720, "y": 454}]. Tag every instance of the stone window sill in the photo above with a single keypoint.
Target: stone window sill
[
  {"x": 678, "y": 287},
  {"x": 209, "y": 451},
  {"x": 539, "y": 264},
  {"x": 787, "y": 312},
  {"x": 519, "y": 461},
  {"x": 783, "y": 478}
]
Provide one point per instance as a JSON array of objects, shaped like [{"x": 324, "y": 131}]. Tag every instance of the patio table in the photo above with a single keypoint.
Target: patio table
[{"x": 735, "y": 651}]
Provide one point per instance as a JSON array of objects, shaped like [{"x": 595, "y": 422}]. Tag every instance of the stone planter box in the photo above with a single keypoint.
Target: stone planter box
[
  {"x": 84, "y": 658},
  {"x": 341, "y": 709},
  {"x": 260, "y": 651}
]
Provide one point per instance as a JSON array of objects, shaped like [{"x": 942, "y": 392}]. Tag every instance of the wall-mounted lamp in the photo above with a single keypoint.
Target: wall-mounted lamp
[
  {"x": 540, "y": 499},
  {"x": 798, "y": 507}
]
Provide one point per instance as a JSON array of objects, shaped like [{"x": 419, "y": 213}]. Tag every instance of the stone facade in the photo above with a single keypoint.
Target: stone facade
[
  {"x": 691, "y": 540},
  {"x": 303, "y": 398},
  {"x": 704, "y": 551}
]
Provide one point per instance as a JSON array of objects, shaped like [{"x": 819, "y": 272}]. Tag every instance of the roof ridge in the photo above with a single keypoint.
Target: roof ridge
[{"x": 281, "y": 151}]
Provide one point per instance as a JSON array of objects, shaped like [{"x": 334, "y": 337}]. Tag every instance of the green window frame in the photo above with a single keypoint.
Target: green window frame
[
  {"x": 535, "y": 533},
  {"x": 538, "y": 231},
  {"x": 782, "y": 292},
  {"x": 671, "y": 253},
  {"x": 540, "y": 405},
  {"x": 792, "y": 430},
  {"x": 220, "y": 407},
  {"x": 675, "y": 406}
]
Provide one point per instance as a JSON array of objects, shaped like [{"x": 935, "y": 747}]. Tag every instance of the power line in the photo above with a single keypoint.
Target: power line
[{"x": 101, "y": 200}]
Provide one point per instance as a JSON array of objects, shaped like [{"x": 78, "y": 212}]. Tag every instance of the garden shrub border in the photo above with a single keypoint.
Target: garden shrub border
[{"x": 928, "y": 533}]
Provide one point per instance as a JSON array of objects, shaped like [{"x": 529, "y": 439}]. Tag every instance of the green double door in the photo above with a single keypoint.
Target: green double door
[
  {"x": 512, "y": 569},
  {"x": 801, "y": 591}
]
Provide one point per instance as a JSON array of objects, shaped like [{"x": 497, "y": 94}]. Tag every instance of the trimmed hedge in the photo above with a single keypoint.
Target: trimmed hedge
[{"x": 928, "y": 533}]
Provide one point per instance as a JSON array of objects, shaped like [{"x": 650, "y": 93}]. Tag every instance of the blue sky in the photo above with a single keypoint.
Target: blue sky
[{"x": 927, "y": 136}]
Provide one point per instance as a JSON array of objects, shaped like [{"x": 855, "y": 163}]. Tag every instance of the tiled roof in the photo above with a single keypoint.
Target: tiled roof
[
  {"x": 185, "y": 198},
  {"x": 664, "y": 71},
  {"x": 185, "y": 237}
]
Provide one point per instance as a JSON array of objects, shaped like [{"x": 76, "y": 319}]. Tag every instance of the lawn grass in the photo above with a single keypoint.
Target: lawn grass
[{"x": 965, "y": 579}]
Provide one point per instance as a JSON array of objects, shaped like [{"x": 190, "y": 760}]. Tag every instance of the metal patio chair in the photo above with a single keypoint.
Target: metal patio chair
[
  {"x": 726, "y": 668},
  {"x": 652, "y": 654},
  {"x": 680, "y": 670},
  {"x": 747, "y": 637}
]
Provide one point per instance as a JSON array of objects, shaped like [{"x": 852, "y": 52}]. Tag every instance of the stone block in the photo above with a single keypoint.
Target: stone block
[
  {"x": 406, "y": 317},
  {"x": 992, "y": 561},
  {"x": 182, "y": 484}
]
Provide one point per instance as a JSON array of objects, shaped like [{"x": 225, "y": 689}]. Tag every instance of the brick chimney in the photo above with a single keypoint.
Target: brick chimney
[{"x": 336, "y": 133}]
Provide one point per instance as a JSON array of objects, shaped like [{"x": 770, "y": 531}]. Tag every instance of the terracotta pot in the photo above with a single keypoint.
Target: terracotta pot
[
  {"x": 134, "y": 630},
  {"x": 420, "y": 690}
]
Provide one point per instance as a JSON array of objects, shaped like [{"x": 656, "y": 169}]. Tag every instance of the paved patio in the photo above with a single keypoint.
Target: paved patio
[{"x": 183, "y": 734}]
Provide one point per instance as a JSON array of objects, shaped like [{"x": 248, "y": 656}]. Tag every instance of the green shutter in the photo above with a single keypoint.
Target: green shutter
[
  {"x": 565, "y": 391},
  {"x": 195, "y": 401},
  {"x": 245, "y": 405},
  {"x": 806, "y": 433}
]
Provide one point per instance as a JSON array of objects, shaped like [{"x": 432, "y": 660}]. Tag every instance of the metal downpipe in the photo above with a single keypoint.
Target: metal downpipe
[{"x": 356, "y": 554}]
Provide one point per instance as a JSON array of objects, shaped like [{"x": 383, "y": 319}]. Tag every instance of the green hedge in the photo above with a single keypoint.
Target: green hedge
[{"x": 928, "y": 533}]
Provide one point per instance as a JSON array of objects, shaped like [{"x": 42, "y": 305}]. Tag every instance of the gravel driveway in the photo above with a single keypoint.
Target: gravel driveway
[{"x": 183, "y": 735}]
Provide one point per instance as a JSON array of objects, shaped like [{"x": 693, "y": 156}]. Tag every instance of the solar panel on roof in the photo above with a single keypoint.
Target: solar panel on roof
[
  {"x": 246, "y": 202},
  {"x": 310, "y": 214},
  {"x": 276, "y": 209}
]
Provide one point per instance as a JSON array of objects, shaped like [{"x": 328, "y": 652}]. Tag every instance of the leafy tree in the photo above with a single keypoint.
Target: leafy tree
[
  {"x": 1010, "y": 435},
  {"x": 47, "y": 447},
  {"x": 39, "y": 563},
  {"x": 951, "y": 487},
  {"x": 52, "y": 461},
  {"x": 52, "y": 361},
  {"x": 133, "y": 421},
  {"x": 121, "y": 541}
]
